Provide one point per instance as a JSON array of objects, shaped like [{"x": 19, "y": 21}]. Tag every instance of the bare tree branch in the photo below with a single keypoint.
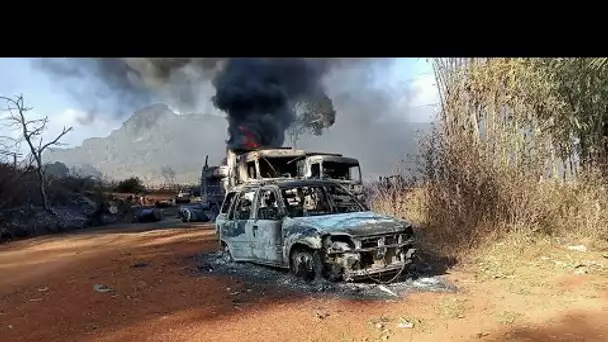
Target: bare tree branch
[{"x": 32, "y": 132}]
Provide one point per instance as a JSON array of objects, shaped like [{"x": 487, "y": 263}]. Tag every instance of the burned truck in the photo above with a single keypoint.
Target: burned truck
[
  {"x": 315, "y": 228},
  {"x": 212, "y": 194},
  {"x": 335, "y": 167},
  {"x": 290, "y": 163}
]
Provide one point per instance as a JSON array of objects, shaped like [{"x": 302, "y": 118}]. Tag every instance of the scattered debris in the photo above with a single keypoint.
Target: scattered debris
[
  {"x": 253, "y": 275},
  {"x": 43, "y": 289},
  {"x": 587, "y": 266},
  {"x": 404, "y": 323},
  {"x": 383, "y": 288},
  {"x": 580, "y": 270},
  {"x": 321, "y": 314},
  {"x": 578, "y": 248},
  {"x": 102, "y": 288}
]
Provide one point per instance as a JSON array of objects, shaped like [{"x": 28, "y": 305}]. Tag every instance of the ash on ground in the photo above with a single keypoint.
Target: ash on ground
[{"x": 418, "y": 279}]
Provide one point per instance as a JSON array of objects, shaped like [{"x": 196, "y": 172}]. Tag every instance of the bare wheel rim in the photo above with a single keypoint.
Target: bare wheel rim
[
  {"x": 227, "y": 253},
  {"x": 303, "y": 265},
  {"x": 187, "y": 216}
]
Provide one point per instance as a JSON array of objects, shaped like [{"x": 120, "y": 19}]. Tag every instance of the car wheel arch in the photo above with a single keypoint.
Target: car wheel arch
[{"x": 312, "y": 242}]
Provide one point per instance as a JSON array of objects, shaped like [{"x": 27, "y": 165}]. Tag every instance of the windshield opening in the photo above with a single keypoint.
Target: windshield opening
[
  {"x": 273, "y": 167},
  {"x": 318, "y": 200},
  {"x": 340, "y": 171}
]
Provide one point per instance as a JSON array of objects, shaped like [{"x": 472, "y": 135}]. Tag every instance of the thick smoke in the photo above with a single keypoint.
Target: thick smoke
[
  {"x": 258, "y": 95},
  {"x": 119, "y": 86},
  {"x": 369, "y": 123}
]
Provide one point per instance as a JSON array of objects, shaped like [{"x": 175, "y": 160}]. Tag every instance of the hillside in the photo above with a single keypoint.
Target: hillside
[
  {"x": 151, "y": 139},
  {"x": 155, "y": 137}
]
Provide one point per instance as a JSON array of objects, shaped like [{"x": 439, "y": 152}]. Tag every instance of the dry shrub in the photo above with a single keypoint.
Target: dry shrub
[
  {"x": 470, "y": 200},
  {"x": 20, "y": 201},
  {"x": 490, "y": 167}
]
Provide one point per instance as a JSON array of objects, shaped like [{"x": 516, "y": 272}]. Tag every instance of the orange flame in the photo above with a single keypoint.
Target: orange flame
[{"x": 250, "y": 140}]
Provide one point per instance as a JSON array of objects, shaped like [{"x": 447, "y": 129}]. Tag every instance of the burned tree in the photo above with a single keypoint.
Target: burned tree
[
  {"x": 31, "y": 131},
  {"x": 311, "y": 117}
]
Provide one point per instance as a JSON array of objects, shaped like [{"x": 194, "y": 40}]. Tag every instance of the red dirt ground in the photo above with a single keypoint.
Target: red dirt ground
[{"x": 46, "y": 294}]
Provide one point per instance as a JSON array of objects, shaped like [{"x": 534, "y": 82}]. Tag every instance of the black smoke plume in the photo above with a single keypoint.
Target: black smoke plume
[{"x": 259, "y": 94}]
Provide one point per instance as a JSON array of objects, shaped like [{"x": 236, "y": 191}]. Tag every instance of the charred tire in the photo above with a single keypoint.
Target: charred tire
[
  {"x": 226, "y": 253},
  {"x": 306, "y": 263},
  {"x": 186, "y": 215}
]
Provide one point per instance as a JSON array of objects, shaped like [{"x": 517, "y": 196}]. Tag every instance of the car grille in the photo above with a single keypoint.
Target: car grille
[{"x": 373, "y": 241}]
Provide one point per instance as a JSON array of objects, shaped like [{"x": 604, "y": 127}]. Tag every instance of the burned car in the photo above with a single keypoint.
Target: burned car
[{"x": 316, "y": 228}]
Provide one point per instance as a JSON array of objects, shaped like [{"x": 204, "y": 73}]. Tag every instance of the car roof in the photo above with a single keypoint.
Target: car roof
[{"x": 285, "y": 184}]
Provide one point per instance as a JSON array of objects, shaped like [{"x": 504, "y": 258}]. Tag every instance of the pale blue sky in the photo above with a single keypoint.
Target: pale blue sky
[{"x": 49, "y": 99}]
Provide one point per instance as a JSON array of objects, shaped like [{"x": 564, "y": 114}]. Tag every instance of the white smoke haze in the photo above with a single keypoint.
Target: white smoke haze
[{"x": 370, "y": 121}]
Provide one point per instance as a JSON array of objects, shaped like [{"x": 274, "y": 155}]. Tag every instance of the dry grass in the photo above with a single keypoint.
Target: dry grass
[{"x": 489, "y": 169}]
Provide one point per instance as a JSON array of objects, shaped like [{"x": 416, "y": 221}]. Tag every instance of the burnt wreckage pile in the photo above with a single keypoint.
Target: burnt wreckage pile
[
  {"x": 286, "y": 207},
  {"x": 312, "y": 225}
]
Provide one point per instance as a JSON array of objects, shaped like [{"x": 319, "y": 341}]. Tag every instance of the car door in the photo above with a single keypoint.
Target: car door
[
  {"x": 222, "y": 217},
  {"x": 237, "y": 231},
  {"x": 266, "y": 228}
]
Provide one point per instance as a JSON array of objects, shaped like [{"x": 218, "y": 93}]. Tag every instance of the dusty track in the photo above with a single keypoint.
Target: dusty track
[{"x": 46, "y": 294}]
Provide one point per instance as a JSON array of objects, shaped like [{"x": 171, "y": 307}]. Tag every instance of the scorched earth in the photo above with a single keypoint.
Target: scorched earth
[{"x": 165, "y": 282}]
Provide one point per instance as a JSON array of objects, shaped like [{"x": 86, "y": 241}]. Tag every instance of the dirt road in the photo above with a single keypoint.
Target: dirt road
[{"x": 159, "y": 293}]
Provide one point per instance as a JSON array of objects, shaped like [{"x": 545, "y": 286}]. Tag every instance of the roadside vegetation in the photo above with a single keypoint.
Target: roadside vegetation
[{"x": 519, "y": 153}]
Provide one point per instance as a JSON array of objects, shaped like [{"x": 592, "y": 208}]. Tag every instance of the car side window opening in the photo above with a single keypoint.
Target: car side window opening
[
  {"x": 344, "y": 201},
  {"x": 306, "y": 201},
  {"x": 335, "y": 170},
  {"x": 268, "y": 207},
  {"x": 315, "y": 171},
  {"x": 227, "y": 202},
  {"x": 242, "y": 209},
  {"x": 251, "y": 170}
]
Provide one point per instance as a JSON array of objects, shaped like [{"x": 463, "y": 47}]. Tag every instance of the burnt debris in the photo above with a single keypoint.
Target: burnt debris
[{"x": 260, "y": 277}]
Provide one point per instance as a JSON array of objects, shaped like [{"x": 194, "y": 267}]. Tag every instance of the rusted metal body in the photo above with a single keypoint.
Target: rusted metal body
[
  {"x": 335, "y": 167},
  {"x": 266, "y": 222},
  {"x": 273, "y": 164}
]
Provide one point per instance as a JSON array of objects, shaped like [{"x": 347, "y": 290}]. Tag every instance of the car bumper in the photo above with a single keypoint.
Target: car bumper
[{"x": 380, "y": 270}]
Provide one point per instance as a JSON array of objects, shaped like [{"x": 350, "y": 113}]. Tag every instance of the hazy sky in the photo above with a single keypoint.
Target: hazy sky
[{"x": 48, "y": 99}]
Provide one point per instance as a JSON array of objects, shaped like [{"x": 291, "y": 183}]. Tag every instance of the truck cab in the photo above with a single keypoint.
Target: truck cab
[
  {"x": 263, "y": 164},
  {"x": 335, "y": 167}
]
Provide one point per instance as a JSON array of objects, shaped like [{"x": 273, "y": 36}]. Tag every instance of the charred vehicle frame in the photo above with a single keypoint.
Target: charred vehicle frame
[{"x": 316, "y": 228}]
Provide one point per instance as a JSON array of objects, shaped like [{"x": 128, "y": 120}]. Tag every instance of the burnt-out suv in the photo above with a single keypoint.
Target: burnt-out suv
[{"x": 316, "y": 228}]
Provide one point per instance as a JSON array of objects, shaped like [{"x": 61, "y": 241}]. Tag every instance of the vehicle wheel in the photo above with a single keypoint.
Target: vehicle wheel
[
  {"x": 186, "y": 216},
  {"x": 306, "y": 263},
  {"x": 226, "y": 253}
]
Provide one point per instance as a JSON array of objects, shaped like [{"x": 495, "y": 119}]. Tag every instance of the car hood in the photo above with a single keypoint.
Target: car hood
[{"x": 355, "y": 224}]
